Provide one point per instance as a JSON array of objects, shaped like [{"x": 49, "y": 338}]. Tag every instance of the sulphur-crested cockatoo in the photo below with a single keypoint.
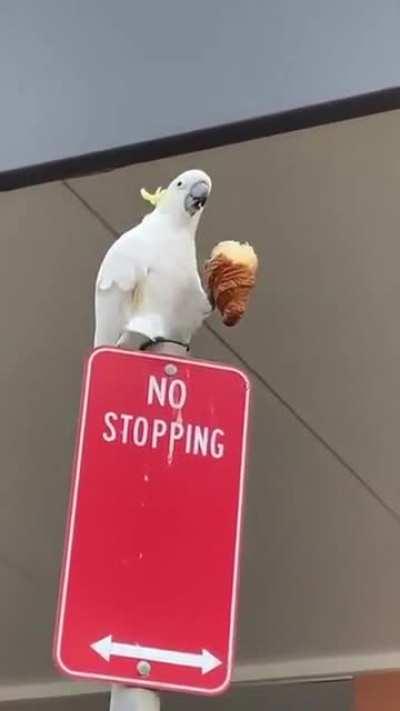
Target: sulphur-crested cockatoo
[{"x": 148, "y": 282}]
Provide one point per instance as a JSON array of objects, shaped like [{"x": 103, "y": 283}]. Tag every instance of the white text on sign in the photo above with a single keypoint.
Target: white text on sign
[{"x": 143, "y": 431}]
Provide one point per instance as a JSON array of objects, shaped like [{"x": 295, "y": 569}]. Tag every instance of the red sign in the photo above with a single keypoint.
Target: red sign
[{"x": 151, "y": 557}]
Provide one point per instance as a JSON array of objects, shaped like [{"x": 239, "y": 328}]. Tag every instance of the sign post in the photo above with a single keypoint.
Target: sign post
[
  {"x": 149, "y": 585},
  {"x": 124, "y": 698}
]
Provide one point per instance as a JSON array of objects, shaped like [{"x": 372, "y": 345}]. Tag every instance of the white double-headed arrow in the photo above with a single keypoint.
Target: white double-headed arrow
[{"x": 106, "y": 648}]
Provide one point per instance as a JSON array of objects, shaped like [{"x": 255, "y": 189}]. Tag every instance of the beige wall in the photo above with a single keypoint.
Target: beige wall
[{"x": 320, "y": 578}]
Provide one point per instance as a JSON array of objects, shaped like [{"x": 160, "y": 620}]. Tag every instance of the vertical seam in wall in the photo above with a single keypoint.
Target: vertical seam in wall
[{"x": 91, "y": 209}]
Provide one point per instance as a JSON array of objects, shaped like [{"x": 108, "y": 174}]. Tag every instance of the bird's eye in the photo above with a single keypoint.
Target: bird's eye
[{"x": 179, "y": 184}]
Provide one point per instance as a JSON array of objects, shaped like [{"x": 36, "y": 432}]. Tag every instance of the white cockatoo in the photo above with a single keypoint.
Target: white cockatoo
[{"x": 148, "y": 282}]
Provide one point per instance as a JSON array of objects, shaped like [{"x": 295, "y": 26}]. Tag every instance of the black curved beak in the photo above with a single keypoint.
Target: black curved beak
[{"x": 197, "y": 197}]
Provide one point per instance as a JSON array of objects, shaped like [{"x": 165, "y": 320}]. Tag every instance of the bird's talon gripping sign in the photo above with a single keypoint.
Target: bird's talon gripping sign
[{"x": 148, "y": 590}]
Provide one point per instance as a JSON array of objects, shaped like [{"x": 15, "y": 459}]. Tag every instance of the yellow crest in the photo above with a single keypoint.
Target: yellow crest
[{"x": 152, "y": 198}]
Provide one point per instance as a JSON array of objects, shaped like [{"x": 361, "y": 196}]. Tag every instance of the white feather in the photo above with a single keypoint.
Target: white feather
[{"x": 148, "y": 282}]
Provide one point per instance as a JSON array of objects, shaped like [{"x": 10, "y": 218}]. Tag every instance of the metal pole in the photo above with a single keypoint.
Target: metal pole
[
  {"x": 132, "y": 341},
  {"x": 125, "y": 698}
]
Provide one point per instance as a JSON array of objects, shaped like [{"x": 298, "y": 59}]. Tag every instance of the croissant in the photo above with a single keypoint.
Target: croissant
[{"x": 230, "y": 275}]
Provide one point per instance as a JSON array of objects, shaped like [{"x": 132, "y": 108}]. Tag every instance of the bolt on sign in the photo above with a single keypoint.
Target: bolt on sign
[{"x": 150, "y": 573}]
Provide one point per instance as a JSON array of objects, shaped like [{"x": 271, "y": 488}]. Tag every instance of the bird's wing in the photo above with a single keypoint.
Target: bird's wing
[
  {"x": 117, "y": 280},
  {"x": 118, "y": 268}
]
